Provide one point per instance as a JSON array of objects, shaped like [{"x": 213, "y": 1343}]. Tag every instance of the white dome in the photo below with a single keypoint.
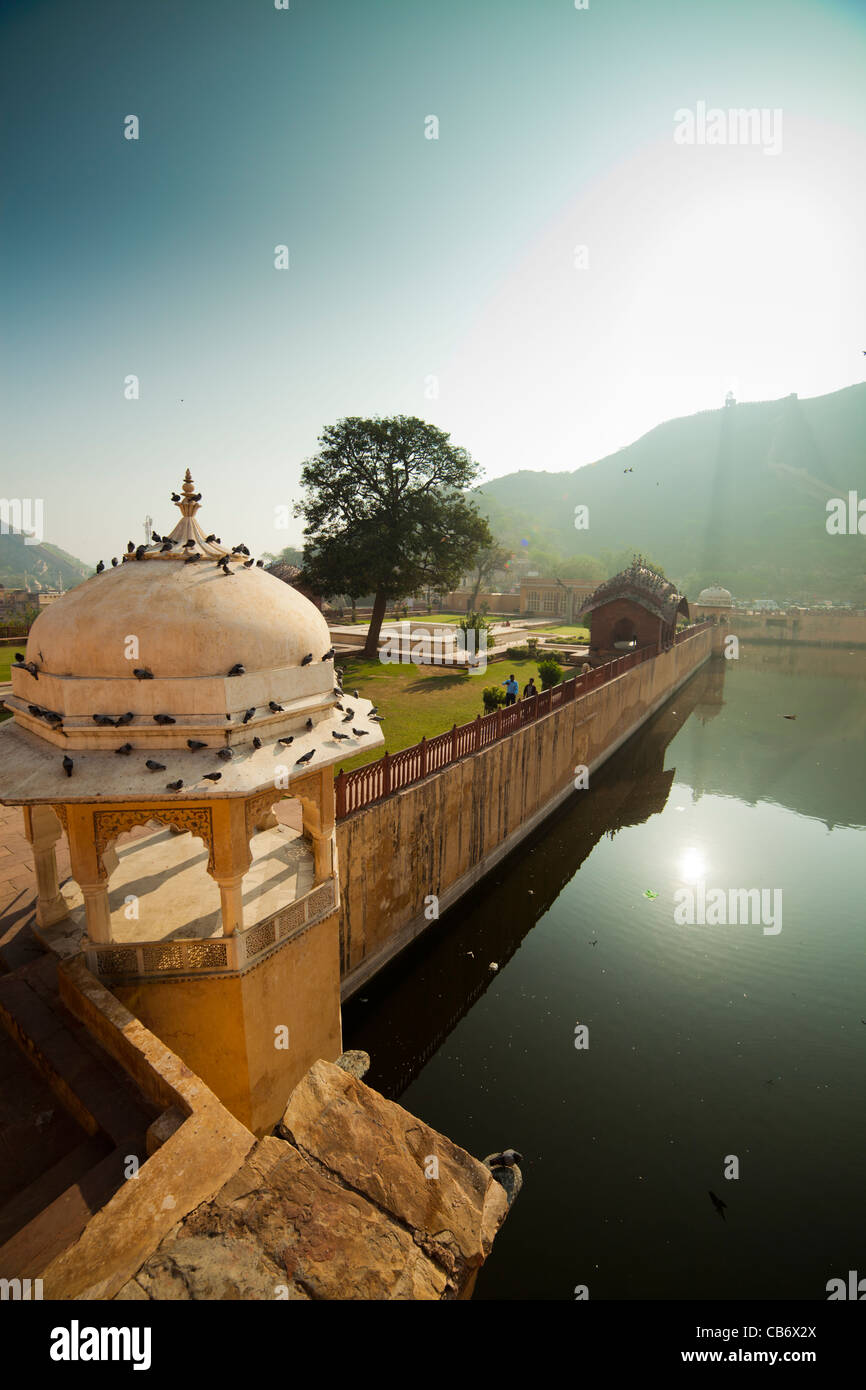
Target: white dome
[{"x": 715, "y": 597}]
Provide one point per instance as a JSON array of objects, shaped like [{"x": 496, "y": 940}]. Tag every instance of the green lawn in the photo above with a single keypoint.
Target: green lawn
[
  {"x": 420, "y": 701},
  {"x": 7, "y": 651},
  {"x": 580, "y": 634}
]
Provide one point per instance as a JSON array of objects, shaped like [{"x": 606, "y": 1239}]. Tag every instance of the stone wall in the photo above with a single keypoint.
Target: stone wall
[
  {"x": 830, "y": 629},
  {"x": 442, "y": 835}
]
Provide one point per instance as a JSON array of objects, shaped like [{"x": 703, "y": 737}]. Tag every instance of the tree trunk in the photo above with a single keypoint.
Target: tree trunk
[
  {"x": 371, "y": 647},
  {"x": 475, "y": 592}
]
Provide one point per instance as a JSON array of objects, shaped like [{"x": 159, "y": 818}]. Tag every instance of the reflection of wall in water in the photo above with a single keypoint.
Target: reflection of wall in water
[{"x": 413, "y": 1004}]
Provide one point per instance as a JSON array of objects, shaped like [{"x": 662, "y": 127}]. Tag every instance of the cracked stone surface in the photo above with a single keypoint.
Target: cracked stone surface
[{"x": 343, "y": 1208}]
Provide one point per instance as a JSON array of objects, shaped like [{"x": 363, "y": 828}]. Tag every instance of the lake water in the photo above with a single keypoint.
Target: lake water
[{"x": 705, "y": 1041}]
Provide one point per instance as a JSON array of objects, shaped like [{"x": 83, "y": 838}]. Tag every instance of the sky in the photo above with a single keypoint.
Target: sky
[{"x": 554, "y": 275}]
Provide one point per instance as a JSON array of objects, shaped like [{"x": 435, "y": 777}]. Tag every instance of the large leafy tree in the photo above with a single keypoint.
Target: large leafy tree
[{"x": 385, "y": 512}]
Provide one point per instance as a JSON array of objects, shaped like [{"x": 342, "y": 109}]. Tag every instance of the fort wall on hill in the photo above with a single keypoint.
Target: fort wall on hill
[{"x": 439, "y": 836}]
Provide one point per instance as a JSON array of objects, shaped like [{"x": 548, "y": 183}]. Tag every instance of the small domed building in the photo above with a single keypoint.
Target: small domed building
[
  {"x": 179, "y": 716},
  {"x": 713, "y": 603},
  {"x": 635, "y": 610}
]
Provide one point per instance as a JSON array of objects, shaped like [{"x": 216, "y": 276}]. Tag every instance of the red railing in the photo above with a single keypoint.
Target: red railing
[{"x": 394, "y": 771}]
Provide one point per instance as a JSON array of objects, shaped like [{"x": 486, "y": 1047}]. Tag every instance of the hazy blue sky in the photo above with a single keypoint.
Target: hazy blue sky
[{"x": 708, "y": 267}]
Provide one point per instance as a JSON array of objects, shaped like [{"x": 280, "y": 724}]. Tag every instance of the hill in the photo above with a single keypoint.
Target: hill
[
  {"x": 735, "y": 496},
  {"x": 40, "y": 566}
]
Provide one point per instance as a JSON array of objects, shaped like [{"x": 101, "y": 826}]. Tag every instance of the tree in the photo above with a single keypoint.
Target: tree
[
  {"x": 385, "y": 513},
  {"x": 489, "y": 559}
]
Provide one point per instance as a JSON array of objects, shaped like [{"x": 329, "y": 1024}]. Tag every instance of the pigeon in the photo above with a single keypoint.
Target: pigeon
[
  {"x": 114, "y": 562},
  {"x": 124, "y": 749},
  {"x": 140, "y": 552},
  {"x": 361, "y": 733},
  {"x": 339, "y": 707},
  {"x": 336, "y": 735},
  {"x": 238, "y": 669},
  {"x": 212, "y": 776},
  {"x": 211, "y": 537},
  {"x": 329, "y": 654},
  {"x": 129, "y": 548},
  {"x": 356, "y": 694},
  {"x": 338, "y": 692},
  {"x": 718, "y": 1204},
  {"x": 192, "y": 559},
  {"x": 249, "y": 714},
  {"x": 274, "y": 707},
  {"x": 225, "y": 755},
  {"x": 377, "y": 718},
  {"x": 20, "y": 658},
  {"x": 174, "y": 786},
  {"x": 789, "y": 716},
  {"x": 51, "y": 717},
  {"x": 141, "y": 673},
  {"x": 305, "y": 757},
  {"x": 248, "y": 564},
  {"x": 104, "y": 721},
  {"x": 154, "y": 766},
  {"x": 259, "y": 564},
  {"x": 374, "y": 709},
  {"x": 309, "y": 724},
  {"x": 257, "y": 743},
  {"x": 124, "y": 719},
  {"x": 305, "y": 660},
  {"x": 31, "y": 667},
  {"x": 163, "y": 719},
  {"x": 286, "y": 741},
  {"x": 68, "y": 765},
  {"x": 154, "y": 536},
  {"x": 100, "y": 567},
  {"x": 348, "y": 717},
  {"x": 188, "y": 545},
  {"x": 196, "y": 497},
  {"x": 35, "y": 710},
  {"x": 195, "y": 744},
  {"x": 509, "y": 1158},
  {"x": 175, "y": 497}
]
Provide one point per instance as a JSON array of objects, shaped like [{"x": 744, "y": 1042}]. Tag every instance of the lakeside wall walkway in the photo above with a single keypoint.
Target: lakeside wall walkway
[{"x": 440, "y": 826}]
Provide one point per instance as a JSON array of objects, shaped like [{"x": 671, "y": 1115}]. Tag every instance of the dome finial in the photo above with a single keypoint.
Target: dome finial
[{"x": 188, "y": 504}]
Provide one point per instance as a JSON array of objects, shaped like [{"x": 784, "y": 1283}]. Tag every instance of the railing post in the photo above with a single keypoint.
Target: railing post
[
  {"x": 453, "y": 743},
  {"x": 476, "y": 744},
  {"x": 498, "y": 731},
  {"x": 340, "y": 789},
  {"x": 386, "y": 775},
  {"x": 423, "y": 748}
]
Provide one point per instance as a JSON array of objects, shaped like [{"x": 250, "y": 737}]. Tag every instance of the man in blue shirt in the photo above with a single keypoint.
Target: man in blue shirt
[{"x": 511, "y": 689}]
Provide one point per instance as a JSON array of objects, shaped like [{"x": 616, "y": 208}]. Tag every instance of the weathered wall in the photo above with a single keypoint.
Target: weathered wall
[
  {"x": 223, "y": 1027},
  {"x": 443, "y": 834},
  {"x": 832, "y": 629}
]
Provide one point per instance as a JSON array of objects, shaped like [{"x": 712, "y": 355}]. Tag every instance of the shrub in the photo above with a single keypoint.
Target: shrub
[
  {"x": 550, "y": 673},
  {"x": 493, "y": 696},
  {"x": 517, "y": 653}
]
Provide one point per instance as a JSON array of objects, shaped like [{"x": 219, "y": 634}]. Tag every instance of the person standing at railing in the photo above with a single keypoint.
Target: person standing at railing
[
  {"x": 530, "y": 688},
  {"x": 512, "y": 690}
]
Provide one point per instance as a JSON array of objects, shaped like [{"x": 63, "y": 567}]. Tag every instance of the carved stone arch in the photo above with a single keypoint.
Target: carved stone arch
[{"x": 107, "y": 825}]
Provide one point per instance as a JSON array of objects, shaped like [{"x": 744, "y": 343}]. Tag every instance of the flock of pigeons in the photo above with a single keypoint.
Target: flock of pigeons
[
  {"x": 225, "y": 755},
  {"x": 194, "y": 555}
]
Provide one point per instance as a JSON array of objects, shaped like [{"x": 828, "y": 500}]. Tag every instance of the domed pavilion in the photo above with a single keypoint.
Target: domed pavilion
[{"x": 179, "y": 716}]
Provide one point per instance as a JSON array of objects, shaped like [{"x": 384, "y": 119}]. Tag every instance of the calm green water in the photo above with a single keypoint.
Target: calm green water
[{"x": 704, "y": 1041}]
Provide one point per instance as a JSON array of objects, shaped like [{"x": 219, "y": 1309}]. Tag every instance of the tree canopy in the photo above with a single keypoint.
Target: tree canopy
[{"x": 385, "y": 512}]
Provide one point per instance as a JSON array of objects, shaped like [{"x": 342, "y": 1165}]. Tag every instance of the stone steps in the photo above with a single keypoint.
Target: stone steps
[
  {"x": 32, "y": 1200},
  {"x": 54, "y": 1229}
]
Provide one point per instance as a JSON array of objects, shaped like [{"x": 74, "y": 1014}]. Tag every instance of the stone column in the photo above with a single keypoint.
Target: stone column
[
  {"x": 43, "y": 830},
  {"x": 231, "y": 901},
  {"x": 97, "y": 911}
]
